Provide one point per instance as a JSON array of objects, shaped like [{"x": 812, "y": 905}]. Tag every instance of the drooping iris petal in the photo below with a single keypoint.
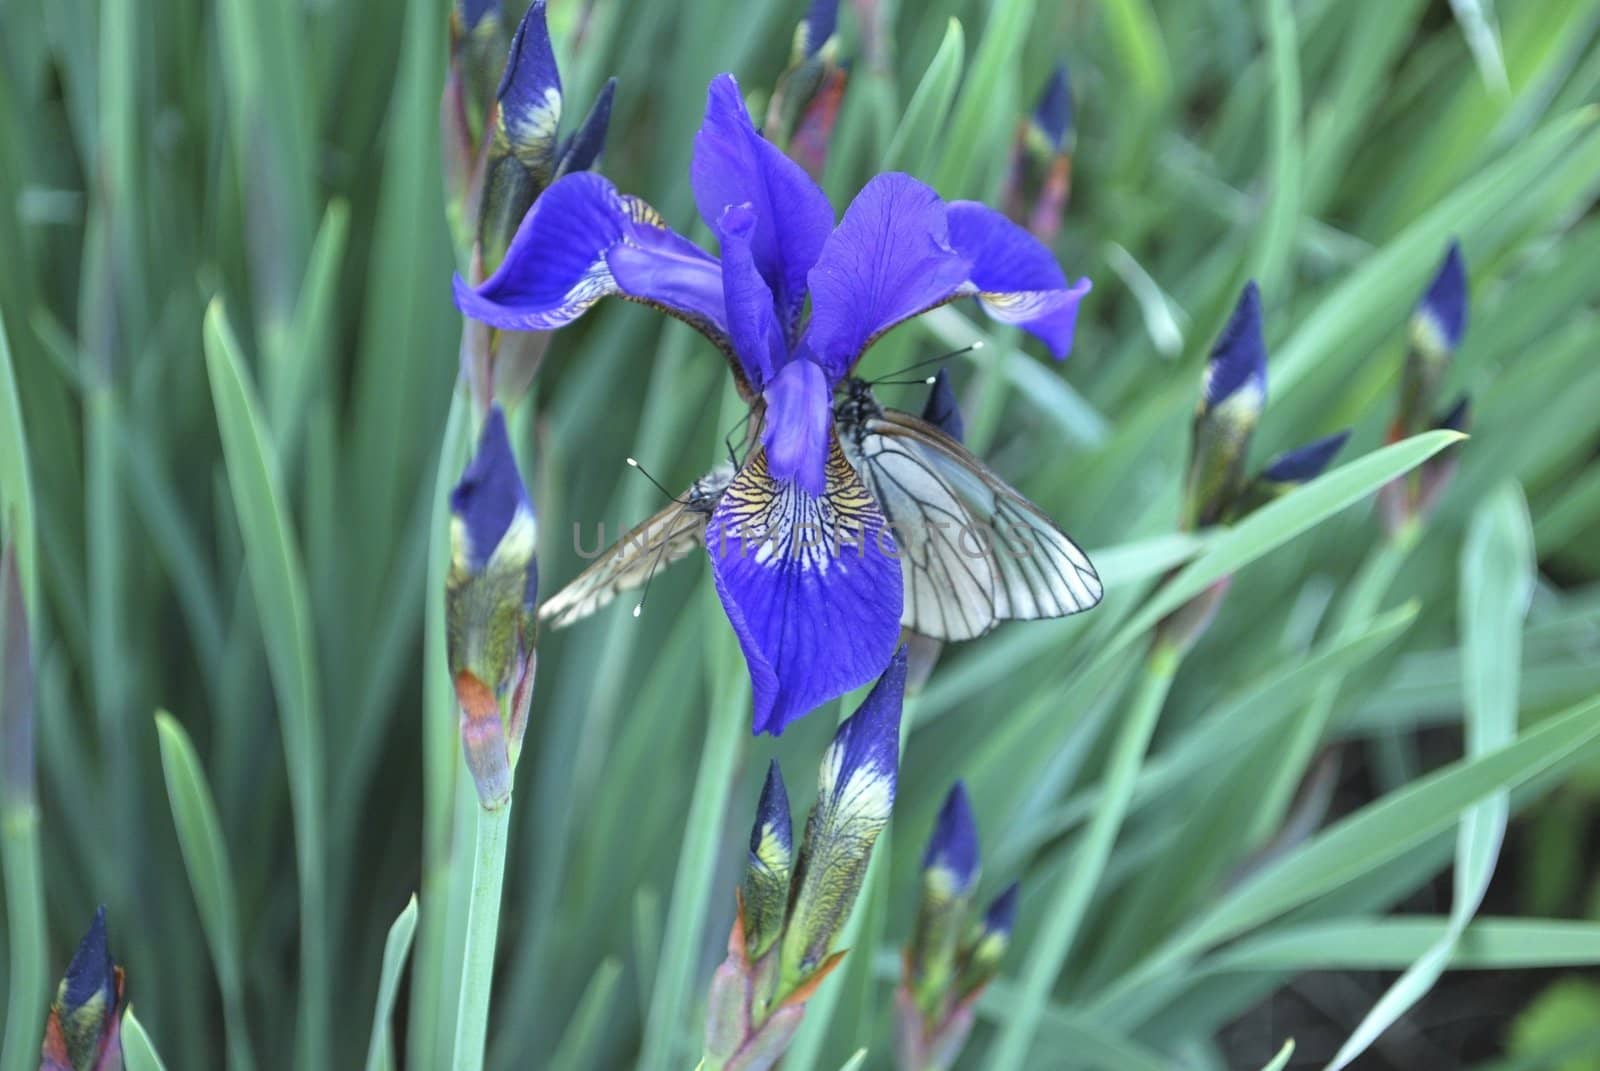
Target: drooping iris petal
[
  {"x": 734, "y": 165},
  {"x": 581, "y": 241},
  {"x": 888, "y": 260},
  {"x": 900, "y": 251},
  {"x": 530, "y": 93},
  {"x": 810, "y": 584},
  {"x": 1015, "y": 276},
  {"x": 799, "y": 426},
  {"x": 758, "y": 338}
]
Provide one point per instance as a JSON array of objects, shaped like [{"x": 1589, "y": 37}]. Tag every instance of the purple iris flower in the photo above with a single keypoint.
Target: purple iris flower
[{"x": 816, "y": 614}]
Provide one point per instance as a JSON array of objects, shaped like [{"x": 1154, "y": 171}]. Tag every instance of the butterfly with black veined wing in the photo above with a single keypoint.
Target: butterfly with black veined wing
[
  {"x": 973, "y": 551},
  {"x": 664, "y": 538}
]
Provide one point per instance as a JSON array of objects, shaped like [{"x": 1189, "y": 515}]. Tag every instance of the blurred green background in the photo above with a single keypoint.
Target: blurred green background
[{"x": 228, "y": 516}]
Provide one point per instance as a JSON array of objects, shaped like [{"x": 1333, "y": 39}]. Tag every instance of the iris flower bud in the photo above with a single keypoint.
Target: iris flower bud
[
  {"x": 949, "y": 876},
  {"x": 490, "y": 596},
  {"x": 986, "y": 944},
  {"x": 1040, "y": 179},
  {"x": 84, "y": 1031},
  {"x": 1230, "y": 406},
  {"x": 764, "y": 893},
  {"x": 1290, "y": 469},
  {"x": 805, "y": 102},
  {"x": 855, "y": 794},
  {"x": 1434, "y": 334}
]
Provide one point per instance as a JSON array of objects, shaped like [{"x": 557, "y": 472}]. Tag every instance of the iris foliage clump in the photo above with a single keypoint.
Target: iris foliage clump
[{"x": 1334, "y": 714}]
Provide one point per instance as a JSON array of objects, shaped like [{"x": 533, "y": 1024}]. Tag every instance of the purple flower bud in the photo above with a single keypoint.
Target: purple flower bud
[
  {"x": 490, "y": 597},
  {"x": 855, "y": 794},
  {"x": 1441, "y": 316},
  {"x": 1052, "y": 116},
  {"x": 583, "y": 149},
  {"x": 765, "y": 889},
  {"x": 986, "y": 945},
  {"x": 952, "y": 851},
  {"x": 530, "y": 94},
  {"x": 942, "y": 410},
  {"x": 814, "y": 30},
  {"x": 83, "y": 1032},
  {"x": 1305, "y": 463},
  {"x": 1238, "y": 361}
]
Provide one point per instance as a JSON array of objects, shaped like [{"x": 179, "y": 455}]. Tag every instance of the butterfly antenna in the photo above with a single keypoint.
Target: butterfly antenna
[
  {"x": 727, "y": 441},
  {"x": 633, "y": 464},
  {"x": 644, "y": 592},
  {"x": 893, "y": 377}
]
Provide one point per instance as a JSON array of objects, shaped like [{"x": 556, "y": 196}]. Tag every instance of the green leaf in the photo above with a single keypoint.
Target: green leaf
[
  {"x": 396, "y": 949},
  {"x": 1497, "y": 578},
  {"x": 919, "y": 128},
  {"x": 1280, "y": 228},
  {"x": 138, "y": 1053},
  {"x": 205, "y": 856},
  {"x": 16, "y": 483},
  {"x": 973, "y": 135},
  {"x": 580, "y": 1044},
  {"x": 278, "y": 582},
  {"x": 1281, "y": 1061}
]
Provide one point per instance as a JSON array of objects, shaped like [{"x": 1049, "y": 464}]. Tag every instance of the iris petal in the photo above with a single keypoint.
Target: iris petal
[
  {"x": 798, "y": 428},
  {"x": 734, "y": 165},
  {"x": 889, "y": 260},
  {"x": 1015, "y": 276},
  {"x": 810, "y": 584},
  {"x": 758, "y": 339},
  {"x": 581, "y": 241},
  {"x": 900, "y": 251}
]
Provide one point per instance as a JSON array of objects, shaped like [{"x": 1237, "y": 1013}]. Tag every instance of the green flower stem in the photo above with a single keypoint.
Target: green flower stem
[
  {"x": 1059, "y": 929},
  {"x": 483, "y": 927},
  {"x": 28, "y": 976},
  {"x": 1366, "y": 595}
]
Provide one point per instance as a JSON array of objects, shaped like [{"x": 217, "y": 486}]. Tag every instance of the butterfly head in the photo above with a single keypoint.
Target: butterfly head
[{"x": 858, "y": 406}]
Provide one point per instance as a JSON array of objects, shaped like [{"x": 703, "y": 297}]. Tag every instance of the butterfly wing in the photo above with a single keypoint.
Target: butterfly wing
[
  {"x": 668, "y": 536},
  {"x": 973, "y": 551}
]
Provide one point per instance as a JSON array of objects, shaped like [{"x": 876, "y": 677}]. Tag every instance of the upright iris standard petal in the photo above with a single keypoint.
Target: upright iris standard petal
[
  {"x": 942, "y": 410},
  {"x": 530, "y": 93},
  {"x": 759, "y": 340},
  {"x": 799, "y": 426},
  {"x": 889, "y": 260},
  {"x": 734, "y": 165},
  {"x": 765, "y": 889},
  {"x": 855, "y": 795},
  {"x": 1305, "y": 463},
  {"x": 1441, "y": 317},
  {"x": 1238, "y": 360},
  {"x": 900, "y": 251},
  {"x": 583, "y": 149},
  {"x": 582, "y": 241},
  {"x": 810, "y": 584},
  {"x": 1016, "y": 278}
]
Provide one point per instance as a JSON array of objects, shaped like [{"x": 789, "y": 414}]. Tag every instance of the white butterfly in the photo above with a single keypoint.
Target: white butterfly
[{"x": 973, "y": 551}]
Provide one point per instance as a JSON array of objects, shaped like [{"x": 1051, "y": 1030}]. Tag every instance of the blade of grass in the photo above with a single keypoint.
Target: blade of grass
[
  {"x": 973, "y": 136},
  {"x": 396, "y": 950},
  {"x": 581, "y": 1043},
  {"x": 277, "y": 579},
  {"x": 205, "y": 856},
  {"x": 1279, "y": 233},
  {"x": 1497, "y": 578},
  {"x": 16, "y": 482},
  {"x": 27, "y": 979},
  {"x": 1356, "y": 845},
  {"x": 138, "y": 1052},
  {"x": 930, "y": 103}
]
